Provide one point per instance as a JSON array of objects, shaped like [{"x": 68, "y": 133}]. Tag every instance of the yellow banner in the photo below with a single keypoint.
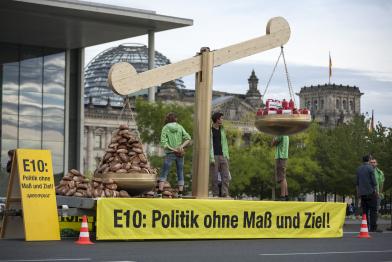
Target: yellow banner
[
  {"x": 38, "y": 194},
  {"x": 203, "y": 219}
]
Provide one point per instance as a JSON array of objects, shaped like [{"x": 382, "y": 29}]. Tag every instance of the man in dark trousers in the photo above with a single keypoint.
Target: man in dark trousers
[
  {"x": 219, "y": 157},
  {"x": 367, "y": 192}
]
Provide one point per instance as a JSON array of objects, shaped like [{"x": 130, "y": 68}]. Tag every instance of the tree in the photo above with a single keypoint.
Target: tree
[
  {"x": 339, "y": 153},
  {"x": 302, "y": 168},
  {"x": 253, "y": 165},
  {"x": 320, "y": 160}
]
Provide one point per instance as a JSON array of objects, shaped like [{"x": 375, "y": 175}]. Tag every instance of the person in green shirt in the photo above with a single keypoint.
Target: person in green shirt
[
  {"x": 174, "y": 139},
  {"x": 379, "y": 176},
  {"x": 281, "y": 144}
]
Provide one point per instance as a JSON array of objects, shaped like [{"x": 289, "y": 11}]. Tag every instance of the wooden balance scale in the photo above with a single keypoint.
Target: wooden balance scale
[{"x": 123, "y": 79}]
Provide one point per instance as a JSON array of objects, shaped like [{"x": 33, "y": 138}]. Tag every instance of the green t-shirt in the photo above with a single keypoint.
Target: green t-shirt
[
  {"x": 282, "y": 147},
  {"x": 379, "y": 175}
]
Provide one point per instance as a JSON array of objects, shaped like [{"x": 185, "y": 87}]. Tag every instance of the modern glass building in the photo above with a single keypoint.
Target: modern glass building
[
  {"x": 33, "y": 100},
  {"x": 42, "y": 70}
]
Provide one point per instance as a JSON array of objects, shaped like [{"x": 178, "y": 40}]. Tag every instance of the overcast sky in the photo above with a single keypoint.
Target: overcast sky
[{"x": 356, "y": 32}]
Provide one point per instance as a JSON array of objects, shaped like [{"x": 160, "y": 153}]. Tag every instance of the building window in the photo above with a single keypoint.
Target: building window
[
  {"x": 98, "y": 141},
  {"x": 351, "y": 105},
  {"x": 337, "y": 104},
  {"x": 344, "y": 104},
  {"x": 315, "y": 105},
  {"x": 322, "y": 104}
]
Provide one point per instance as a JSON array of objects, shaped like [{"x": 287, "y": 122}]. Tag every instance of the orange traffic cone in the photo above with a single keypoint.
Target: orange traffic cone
[
  {"x": 364, "y": 228},
  {"x": 84, "y": 237}
]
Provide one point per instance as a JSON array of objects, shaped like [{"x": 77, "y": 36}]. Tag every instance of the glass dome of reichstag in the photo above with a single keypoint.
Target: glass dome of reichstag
[{"x": 96, "y": 73}]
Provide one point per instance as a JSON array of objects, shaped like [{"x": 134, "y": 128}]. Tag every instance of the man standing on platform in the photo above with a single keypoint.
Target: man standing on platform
[
  {"x": 281, "y": 144},
  {"x": 219, "y": 156},
  {"x": 174, "y": 139},
  {"x": 367, "y": 191}
]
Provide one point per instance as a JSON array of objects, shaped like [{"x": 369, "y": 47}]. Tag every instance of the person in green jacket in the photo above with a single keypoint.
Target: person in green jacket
[
  {"x": 219, "y": 157},
  {"x": 379, "y": 176},
  {"x": 174, "y": 139},
  {"x": 281, "y": 144}
]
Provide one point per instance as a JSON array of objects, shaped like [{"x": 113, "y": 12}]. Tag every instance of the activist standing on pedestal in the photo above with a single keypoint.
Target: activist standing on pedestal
[
  {"x": 281, "y": 144},
  {"x": 219, "y": 156},
  {"x": 174, "y": 139}
]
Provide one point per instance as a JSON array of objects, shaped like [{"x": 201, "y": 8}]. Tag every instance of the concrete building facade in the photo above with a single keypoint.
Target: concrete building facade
[{"x": 331, "y": 104}]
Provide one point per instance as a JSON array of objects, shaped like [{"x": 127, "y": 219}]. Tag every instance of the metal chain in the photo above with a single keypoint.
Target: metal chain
[
  {"x": 127, "y": 105},
  {"x": 272, "y": 74},
  {"x": 288, "y": 78}
]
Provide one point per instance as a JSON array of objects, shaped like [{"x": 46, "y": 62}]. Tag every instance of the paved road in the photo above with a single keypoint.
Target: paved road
[{"x": 348, "y": 248}]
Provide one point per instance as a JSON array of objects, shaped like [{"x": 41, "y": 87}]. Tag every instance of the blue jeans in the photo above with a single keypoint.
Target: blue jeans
[{"x": 169, "y": 158}]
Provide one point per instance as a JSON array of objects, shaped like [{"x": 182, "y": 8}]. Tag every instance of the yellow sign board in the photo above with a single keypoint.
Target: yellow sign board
[
  {"x": 218, "y": 219},
  {"x": 32, "y": 184}
]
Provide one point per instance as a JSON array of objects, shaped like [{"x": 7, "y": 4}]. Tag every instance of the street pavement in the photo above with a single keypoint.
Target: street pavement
[{"x": 348, "y": 248}]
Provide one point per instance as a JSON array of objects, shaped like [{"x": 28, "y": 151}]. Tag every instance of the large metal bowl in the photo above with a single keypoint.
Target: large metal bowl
[
  {"x": 282, "y": 124},
  {"x": 134, "y": 183}
]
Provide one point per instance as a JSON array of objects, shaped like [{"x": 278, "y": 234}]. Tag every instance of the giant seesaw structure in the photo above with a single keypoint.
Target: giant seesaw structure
[{"x": 124, "y": 80}]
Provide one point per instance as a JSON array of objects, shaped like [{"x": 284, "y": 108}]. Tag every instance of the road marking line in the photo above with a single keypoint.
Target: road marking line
[
  {"x": 329, "y": 253},
  {"x": 47, "y": 259}
]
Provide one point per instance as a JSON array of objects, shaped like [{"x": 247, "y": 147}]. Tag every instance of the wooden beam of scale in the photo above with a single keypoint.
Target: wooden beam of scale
[{"x": 124, "y": 80}]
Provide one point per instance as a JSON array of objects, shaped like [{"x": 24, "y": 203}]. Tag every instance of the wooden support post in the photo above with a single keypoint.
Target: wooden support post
[{"x": 202, "y": 126}]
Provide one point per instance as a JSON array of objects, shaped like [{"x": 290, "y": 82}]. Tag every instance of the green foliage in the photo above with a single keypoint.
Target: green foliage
[
  {"x": 340, "y": 151},
  {"x": 320, "y": 160},
  {"x": 380, "y": 146},
  {"x": 252, "y": 167},
  {"x": 302, "y": 166}
]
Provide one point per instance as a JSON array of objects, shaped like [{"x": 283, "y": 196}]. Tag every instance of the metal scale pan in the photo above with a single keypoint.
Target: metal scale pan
[
  {"x": 282, "y": 124},
  {"x": 135, "y": 183}
]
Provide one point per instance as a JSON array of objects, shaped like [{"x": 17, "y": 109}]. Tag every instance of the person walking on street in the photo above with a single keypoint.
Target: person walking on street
[
  {"x": 10, "y": 159},
  {"x": 281, "y": 144},
  {"x": 379, "y": 175},
  {"x": 367, "y": 192},
  {"x": 174, "y": 139},
  {"x": 219, "y": 157}
]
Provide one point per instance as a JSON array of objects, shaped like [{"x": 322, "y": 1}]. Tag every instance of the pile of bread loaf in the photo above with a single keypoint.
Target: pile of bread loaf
[
  {"x": 124, "y": 154},
  {"x": 76, "y": 184}
]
